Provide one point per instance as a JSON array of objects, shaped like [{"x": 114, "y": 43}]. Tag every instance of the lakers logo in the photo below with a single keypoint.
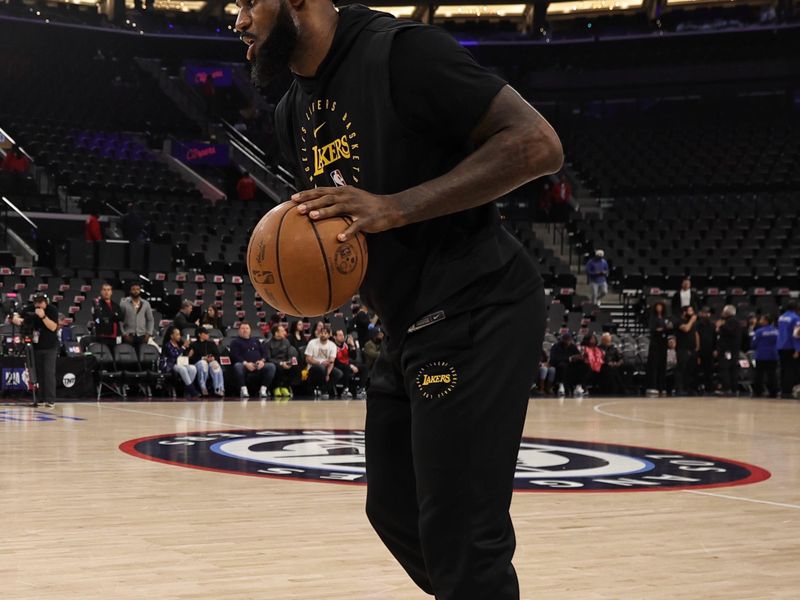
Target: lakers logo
[
  {"x": 345, "y": 259},
  {"x": 329, "y": 138},
  {"x": 436, "y": 379}
]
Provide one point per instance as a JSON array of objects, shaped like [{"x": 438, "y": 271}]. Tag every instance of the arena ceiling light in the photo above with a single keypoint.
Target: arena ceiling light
[
  {"x": 401, "y": 12},
  {"x": 593, "y": 6},
  {"x": 480, "y": 11}
]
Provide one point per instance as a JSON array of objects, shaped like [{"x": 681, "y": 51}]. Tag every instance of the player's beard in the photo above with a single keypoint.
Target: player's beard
[{"x": 272, "y": 58}]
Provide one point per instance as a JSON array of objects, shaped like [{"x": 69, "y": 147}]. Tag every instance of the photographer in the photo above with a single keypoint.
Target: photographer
[{"x": 43, "y": 322}]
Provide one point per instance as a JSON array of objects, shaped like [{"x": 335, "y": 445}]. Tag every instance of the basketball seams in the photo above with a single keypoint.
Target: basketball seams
[
  {"x": 278, "y": 260},
  {"x": 327, "y": 265}
]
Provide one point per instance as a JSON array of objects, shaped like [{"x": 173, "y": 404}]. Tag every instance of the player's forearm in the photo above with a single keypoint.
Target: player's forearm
[{"x": 508, "y": 159}]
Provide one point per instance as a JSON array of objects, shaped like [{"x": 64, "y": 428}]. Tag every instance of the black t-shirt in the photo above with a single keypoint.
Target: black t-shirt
[
  {"x": 685, "y": 340},
  {"x": 203, "y": 349},
  {"x": 47, "y": 339}
]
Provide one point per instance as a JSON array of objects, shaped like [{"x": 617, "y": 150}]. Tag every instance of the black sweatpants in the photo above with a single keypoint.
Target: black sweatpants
[
  {"x": 445, "y": 413},
  {"x": 766, "y": 371},
  {"x": 45, "y": 373},
  {"x": 789, "y": 368}
]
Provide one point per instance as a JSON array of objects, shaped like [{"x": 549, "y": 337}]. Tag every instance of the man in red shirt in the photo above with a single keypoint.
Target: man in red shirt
[
  {"x": 343, "y": 363},
  {"x": 246, "y": 188},
  {"x": 15, "y": 161},
  {"x": 562, "y": 199},
  {"x": 92, "y": 231}
]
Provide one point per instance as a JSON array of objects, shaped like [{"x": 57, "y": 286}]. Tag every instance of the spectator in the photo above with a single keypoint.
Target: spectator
[
  {"x": 597, "y": 273},
  {"x": 670, "y": 365},
  {"x": 567, "y": 360},
  {"x": 92, "y": 230},
  {"x": 547, "y": 375},
  {"x": 372, "y": 348},
  {"x": 562, "y": 199},
  {"x": 246, "y": 188},
  {"x": 137, "y": 317},
  {"x": 249, "y": 355},
  {"x": 685, "y": 296},
  {"x": 765, "y": 345},
  {"x": 15, "y": 161},
  {"x": 211, "y": 318},
  {"x": 788, "y": 348},
  {"x": 360, "y": 323},
  {"x": 281, "y": 354},
  {"x": 594, "y": 359},
  {"x": 43, "y": 323},
  {"x": 182, "y": 319},
  {"x": 707, "y": 334},
  {"x": 173, "y": 354},
  {"x": 660, "y": 327},
  {"x": 107, "y": 317},
  {"x": 297, "y": 339},
  {"x": 611, "y": 381},
  {"x": 321, "y": 359},
  {"x": 132, "y": 224},
  {"x": 729, "y": 344},
  {"x": 204, "y": 355},
  {"x": 687, "y": 345},
  {"x": 344, "y": 363}
]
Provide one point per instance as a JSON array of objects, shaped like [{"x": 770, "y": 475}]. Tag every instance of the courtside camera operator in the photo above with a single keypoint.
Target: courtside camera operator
[{"x": 40, "y": 321}]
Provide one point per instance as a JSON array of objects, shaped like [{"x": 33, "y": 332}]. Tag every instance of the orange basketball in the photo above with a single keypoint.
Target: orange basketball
[{"x": 299, "y": 267}]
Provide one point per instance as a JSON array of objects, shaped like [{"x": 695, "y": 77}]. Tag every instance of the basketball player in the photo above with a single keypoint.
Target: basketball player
[{"x": 423, "y": 139}]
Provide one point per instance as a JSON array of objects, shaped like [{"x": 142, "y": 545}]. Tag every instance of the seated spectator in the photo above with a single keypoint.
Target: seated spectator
[
  {"x": 212, "y": 319},
  {"x": 182, "y": 319},
  {"x": 547, "y": 375},
  {"x": 765, "y": 345},
  {"x": 172, "y": 350},
  {"x": 92, "y": 230},
  {"x": 597, "y": 274},
  {"x": 281, "y": 354},
  {"x": 594, "y": 359},
  {"x": 204, "y": 355},
  {"x": 373, "y": 347},
  {"x": 321, "y": 359},
  {"x": 611, "y": 381},
  {"x": 729, "y": 344},
  {"x": 249, "y": 355},
  {"x": 568, "y": 363},
  {"x": 345, "y": 349},
  {"x": 107, "y": 317},
  {"x": 297, "y": 338},
  {"x": 246, "y": 188}
]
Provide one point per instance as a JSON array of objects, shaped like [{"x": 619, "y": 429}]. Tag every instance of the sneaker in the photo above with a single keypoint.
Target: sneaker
[
  {"x": 203, "y": 391},
  {"x": 286, "y": 392},
  {"x": 561, "y": 391},
  {"x": 317, "y": 393},
  {"x": 346, "y": 395},
  {"x": 324, "y": 397},
  {"x": 34, "y": 405},
  {"x": 243, "y": 392},
  {"x": 219, "y": 392},
  {"x": 277, "y": 392},
  {"x": 361, "y": 394},
  {"x": 578, "y": 391},
  {"x": 652, "y": 393},
  {"x": 263, "y": 392},
  {"x": 50, "y": 404}
]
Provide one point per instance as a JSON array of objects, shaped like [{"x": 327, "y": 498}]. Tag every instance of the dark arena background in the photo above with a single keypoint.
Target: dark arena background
[{"x": 136, "y": 153}]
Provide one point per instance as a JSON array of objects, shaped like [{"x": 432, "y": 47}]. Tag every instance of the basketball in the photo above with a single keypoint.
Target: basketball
[{"x": 298, "y": 266}]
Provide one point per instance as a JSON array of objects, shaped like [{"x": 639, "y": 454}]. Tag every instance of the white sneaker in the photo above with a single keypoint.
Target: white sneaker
[
  {"x": 243, "y": 392},
  {"x": 578, "y": 391},
  {"x": 561, "y": 391},
  {"x": 263, "y": 393}
]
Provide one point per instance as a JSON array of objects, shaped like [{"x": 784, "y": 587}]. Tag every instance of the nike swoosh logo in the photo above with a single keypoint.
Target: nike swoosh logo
[{"x": 316, "y": 129}]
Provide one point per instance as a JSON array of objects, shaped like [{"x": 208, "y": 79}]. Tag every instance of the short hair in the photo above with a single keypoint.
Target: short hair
[
  {"x": 134, "y": 284},
  {"x": 275, "y": 328},
  {"x": 39, "y": 298},
  {"x": 729, "y": 310},
  {"x": 186, "y": 303},
  {"x": 791, "y": 305},
  {"x": 768, "y": 318},
  {"x": 106, "y": 283},
  {"x": 243, "y": 323}
]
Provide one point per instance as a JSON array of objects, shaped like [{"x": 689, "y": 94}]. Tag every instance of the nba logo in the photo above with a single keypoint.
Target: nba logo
[{"x": 338, "y": 178}]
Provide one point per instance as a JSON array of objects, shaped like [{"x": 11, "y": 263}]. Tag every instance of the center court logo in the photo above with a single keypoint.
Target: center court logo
[{"x": 543, "y": 464}]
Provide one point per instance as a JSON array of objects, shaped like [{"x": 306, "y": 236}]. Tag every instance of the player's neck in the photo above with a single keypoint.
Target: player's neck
[{"x": 315, "y": 41}]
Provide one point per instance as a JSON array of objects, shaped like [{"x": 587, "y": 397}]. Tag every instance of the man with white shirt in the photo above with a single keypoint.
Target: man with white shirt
[
  {"x": 321, "y": 356},
  {"x": 686, "y": 296}
]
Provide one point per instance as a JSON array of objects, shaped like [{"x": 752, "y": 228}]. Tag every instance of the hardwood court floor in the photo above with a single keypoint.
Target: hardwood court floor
[{"x": 83, "y": 520}]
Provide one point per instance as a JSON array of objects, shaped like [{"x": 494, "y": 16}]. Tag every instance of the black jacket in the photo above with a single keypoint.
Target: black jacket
[
  {"x": 729, "y": 337},
  {"x": 107, "y": 319}
]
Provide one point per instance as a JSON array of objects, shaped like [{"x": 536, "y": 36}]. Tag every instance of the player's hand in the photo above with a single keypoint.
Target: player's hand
[{"x": 370, "y": 213}]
